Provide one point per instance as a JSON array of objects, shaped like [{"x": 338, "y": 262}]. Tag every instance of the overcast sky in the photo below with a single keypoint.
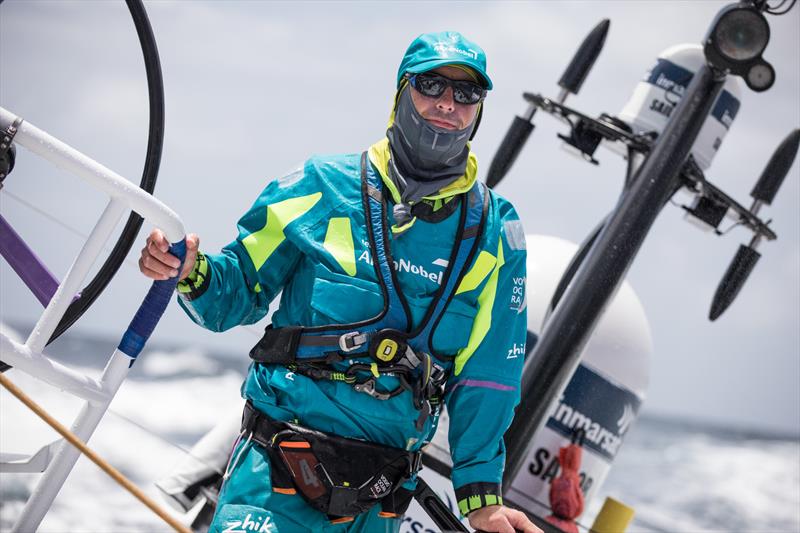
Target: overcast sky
[{"x": 253, "y": 88}]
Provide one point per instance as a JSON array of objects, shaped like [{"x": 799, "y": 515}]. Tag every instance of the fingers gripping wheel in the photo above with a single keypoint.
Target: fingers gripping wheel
[
  {"x": 153, "y": 306},
  {"x": 387, "y": 347}
]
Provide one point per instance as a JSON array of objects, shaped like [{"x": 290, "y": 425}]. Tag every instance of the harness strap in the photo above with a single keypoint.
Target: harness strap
[
  {"x": 315, "y": 372},
  {"x": 464, "y": 251},
  {"x": 277, "y": 345}
]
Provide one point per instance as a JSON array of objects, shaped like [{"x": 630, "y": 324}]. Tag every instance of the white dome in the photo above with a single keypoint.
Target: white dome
[
  {"x": 621, "y": 346},
  {"x": 655, "y": 97}
]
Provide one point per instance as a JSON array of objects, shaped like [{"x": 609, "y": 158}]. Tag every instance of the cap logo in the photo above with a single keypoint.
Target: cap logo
[{"x": 444, "y": 48}]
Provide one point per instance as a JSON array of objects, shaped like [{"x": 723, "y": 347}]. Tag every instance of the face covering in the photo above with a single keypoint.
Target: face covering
[{"x": 423, "y": 152}]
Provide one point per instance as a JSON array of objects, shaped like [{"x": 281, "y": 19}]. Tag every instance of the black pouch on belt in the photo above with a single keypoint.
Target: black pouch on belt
[{"x": 335, "y": 475}]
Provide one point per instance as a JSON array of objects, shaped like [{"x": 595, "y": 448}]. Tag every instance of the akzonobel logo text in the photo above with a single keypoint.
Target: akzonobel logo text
[
  {"x": 447, "y": 48},
  {"x": 402, "y": 265}
]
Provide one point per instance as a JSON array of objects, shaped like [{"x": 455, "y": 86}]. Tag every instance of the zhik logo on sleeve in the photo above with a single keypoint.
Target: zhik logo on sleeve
[
  {"x": 251, "y": 525},
  {"x": 516, "y": 351}
]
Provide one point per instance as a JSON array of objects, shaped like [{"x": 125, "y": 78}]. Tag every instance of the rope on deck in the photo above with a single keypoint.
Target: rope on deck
[{"x": 70, "y": 437}]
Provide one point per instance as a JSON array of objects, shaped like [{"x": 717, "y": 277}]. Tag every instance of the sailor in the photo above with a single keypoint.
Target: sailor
[{"x": 401, "y": 279}]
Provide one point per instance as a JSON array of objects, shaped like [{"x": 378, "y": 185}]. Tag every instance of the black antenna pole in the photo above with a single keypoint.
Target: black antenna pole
[{"x": 558, "y": 352}]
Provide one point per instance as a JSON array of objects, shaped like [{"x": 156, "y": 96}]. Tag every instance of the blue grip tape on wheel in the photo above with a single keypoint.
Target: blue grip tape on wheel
[{"x": 153, "y": 306}]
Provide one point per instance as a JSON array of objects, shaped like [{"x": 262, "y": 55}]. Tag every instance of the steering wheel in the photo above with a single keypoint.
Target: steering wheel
[{"x": 155, "y": 142}]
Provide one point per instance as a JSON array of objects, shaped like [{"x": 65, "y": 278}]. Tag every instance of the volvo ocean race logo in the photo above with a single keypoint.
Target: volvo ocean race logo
[{"x": 603, "y": 410}]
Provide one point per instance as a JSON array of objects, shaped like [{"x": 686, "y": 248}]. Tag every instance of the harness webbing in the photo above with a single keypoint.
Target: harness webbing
[{"x": 310, "y": 348}]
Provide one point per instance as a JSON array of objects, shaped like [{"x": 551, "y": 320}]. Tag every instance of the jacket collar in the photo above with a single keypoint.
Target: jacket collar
[{"x": 380, "y": 153}]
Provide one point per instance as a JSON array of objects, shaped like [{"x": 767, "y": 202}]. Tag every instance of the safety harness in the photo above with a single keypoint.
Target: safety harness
[
  {"x": 318, "y": 465},
  {"x": 386, "y": 342}
]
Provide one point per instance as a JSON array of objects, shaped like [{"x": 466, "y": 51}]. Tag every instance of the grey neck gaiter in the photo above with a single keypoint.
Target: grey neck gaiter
[
  {"x": 411, "y": 192},
  {"x": 423, "y": 152}
]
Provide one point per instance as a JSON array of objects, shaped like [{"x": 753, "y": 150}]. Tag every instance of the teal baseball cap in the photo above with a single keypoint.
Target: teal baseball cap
[{"x": 433, "y": 50}]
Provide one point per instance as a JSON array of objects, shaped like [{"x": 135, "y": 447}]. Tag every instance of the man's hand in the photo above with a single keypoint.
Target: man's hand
[
  {"x": 156, "y": 261},
  {"x": 501, "y": 519}
]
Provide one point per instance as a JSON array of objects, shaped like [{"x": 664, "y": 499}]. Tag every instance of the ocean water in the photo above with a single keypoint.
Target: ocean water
[
  {"x": 681, "y": 476},
  {"x": 678, "y": 476}
]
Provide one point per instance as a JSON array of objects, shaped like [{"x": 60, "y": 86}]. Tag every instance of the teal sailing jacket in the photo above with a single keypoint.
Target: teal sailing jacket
[{"x": 305, "y": 238}]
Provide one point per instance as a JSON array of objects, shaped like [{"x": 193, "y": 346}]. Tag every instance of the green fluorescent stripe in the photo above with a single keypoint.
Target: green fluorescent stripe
[
  {"x": 262, "y": 243},
  {"x": 202, "y": 270},
  {"x": 491, "y": 499},
  {"x": 483, "y": 320},
  {"x": 483, "y": 265},
  {"x": 196, "y": 277},
  {"x": 475, "y": 502},
  {"x": 379, "y": 154},
  {"x": 400, "y": 229},
  {"x": 463, "y": 506},
  {"x": 339, "y": 243},
  {"x": 392, "y": 189}
]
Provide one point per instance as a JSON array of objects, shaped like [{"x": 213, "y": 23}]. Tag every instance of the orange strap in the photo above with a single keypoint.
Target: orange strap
[{"x": 294, "y": 444}]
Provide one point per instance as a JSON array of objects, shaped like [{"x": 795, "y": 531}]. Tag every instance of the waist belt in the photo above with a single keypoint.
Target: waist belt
[{"x": 337, "y": 476}]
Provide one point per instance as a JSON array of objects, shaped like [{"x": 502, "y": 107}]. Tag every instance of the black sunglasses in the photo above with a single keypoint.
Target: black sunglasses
[{"x": 433, "y": 85}]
